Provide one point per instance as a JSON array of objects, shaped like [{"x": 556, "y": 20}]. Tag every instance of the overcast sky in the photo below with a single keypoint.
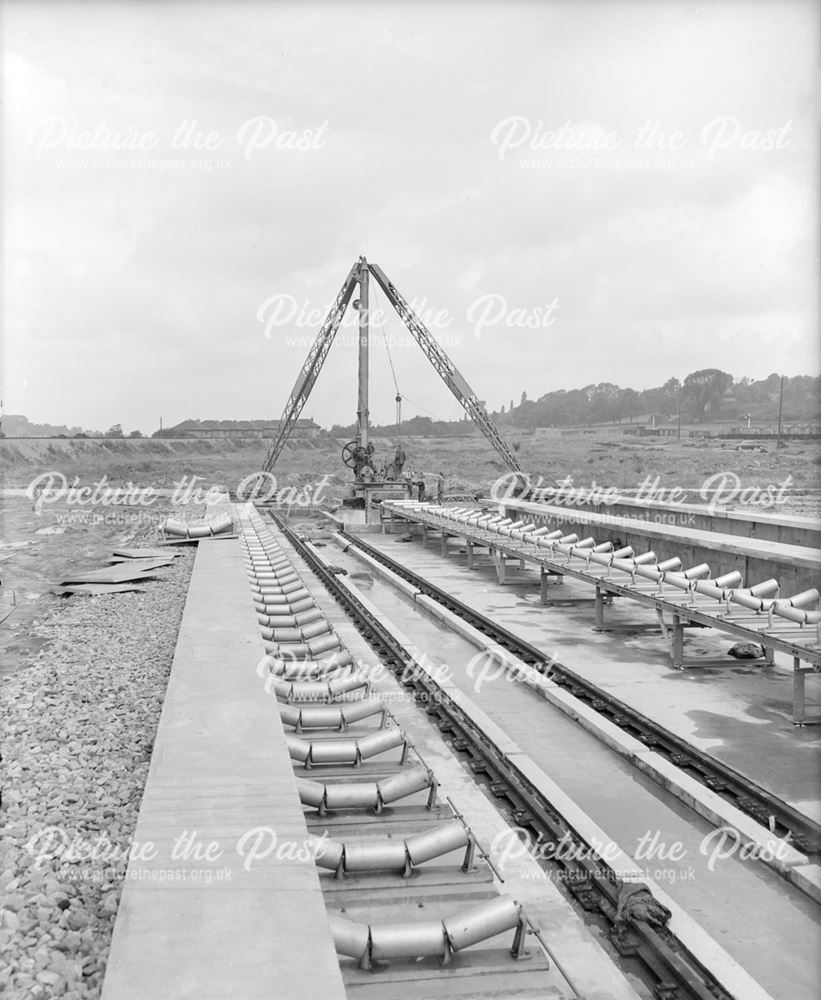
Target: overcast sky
[{"x": 163, "y": 280}]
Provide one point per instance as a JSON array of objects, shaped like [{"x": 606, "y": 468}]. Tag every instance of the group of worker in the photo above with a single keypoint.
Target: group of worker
[
  {"x": 370, "y": 470},
  {"x": 414, "y": 480},
  {"x": 417, "y": 482},
  {"x": 365, "y": 470}
]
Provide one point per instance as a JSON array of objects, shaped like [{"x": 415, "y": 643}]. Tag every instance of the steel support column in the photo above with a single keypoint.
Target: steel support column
[
  {"x": 364, "y": 341},
  {"x": 677, "y": 643},
  {"x": 499, "y": 563},
  {"x": 599, "y": 607}
]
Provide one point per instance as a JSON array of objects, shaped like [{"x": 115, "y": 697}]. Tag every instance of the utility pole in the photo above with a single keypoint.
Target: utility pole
[
  {"x": 680, "y": 389},
  {"x": 364, "y": 337},
  {"x": 780, "y": 406}
]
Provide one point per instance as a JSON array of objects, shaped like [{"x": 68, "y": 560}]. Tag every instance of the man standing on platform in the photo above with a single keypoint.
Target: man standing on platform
[
  {"x": 399, "y": 460},
  {"x": 440, "y": 489}
]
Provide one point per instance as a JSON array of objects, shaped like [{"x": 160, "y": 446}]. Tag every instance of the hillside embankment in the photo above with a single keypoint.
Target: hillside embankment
[{"x": 467, "y": 461}]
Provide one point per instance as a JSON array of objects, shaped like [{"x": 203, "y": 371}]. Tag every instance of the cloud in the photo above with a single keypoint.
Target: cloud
[{"x": 150, "y": 265}]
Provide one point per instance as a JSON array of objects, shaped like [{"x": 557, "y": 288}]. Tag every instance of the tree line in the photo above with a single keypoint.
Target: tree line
[{"x": 705, "y": 395}]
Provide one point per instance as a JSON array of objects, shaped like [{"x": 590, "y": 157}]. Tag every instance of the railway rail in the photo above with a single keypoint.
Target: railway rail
[
  {"x": 675, "y": 974},
  {"x": 382, "y": 839}
]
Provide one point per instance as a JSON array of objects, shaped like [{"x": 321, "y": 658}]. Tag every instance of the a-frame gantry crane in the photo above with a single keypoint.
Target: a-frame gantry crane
[{"x": 355, "y": 452}]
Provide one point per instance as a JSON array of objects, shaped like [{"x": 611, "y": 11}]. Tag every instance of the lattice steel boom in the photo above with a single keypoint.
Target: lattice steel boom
[
  {"x": 312, "y": 367},
  {"x": 449, "y": 373}
]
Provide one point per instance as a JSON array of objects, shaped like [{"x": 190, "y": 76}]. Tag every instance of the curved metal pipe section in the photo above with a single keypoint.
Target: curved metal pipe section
[
  {"x": 293, "y": 627},
  {"x": 281, "y": 605},
  {"x": 302, "y": 650},
  {"x": 297, "y": 633},
  {"x": 205, "y": 528},
  {"x": 307, "y": 617},
  {"x": 367, "y": 794},
  {"x": 285, "y": 636},
  {"x": 346, "y": 751},
  {"x": 261, "y": 590},
  {"x": 391, "y": 854},
  {"x": 337, "y": 717},
  {"x": 291, "y": 668},
  {"x": 277, "y": 578},
  {"x": 323, "y": 692},
  {"x": 803, "y": 609},
  {"x": 307, "y": 673},
  {"x": 369, "y": 943}
]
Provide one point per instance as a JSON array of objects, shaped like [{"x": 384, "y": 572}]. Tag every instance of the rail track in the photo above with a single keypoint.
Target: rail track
[
  {"x": 673, "y": 972},
  {"x": 380, "y": 833},
  {"x": 740, "y": 791}
]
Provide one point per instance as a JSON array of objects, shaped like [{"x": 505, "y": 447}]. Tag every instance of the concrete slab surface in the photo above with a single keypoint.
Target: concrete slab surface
[
  {"x": 581, "y": 961},
  {"x": 731, "y": 899},
  {"x": 214, "y": 911},
  {"x": 740, "y": 713}
]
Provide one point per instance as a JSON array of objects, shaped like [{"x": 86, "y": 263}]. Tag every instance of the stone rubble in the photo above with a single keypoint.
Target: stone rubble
[{"x": 79, "y": 728}]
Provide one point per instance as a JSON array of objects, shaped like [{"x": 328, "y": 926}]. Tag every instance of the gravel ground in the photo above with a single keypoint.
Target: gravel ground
[{"x": 79, "y": 730}]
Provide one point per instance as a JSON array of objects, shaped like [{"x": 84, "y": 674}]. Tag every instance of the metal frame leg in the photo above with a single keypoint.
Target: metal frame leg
[
  {"x": 499, "y": 562},
  {"x": 799, "y": 712},
  {"x": 468, "y": 863},
  {"x": 599, "y": 607},
  {"x": 677, "y": 643},
  {"x": 470, "y": 555},
  {"x": 518, "y": 950},
  {"x": 543, "y": 576},
  {"x": 663, "y": 625}
]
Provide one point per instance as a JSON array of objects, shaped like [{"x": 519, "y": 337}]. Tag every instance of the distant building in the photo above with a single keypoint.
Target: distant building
[
  {"x": 235, "y": 428},
  {"x": 661, "y": 430},
  {"x": 788, "y": 430}
]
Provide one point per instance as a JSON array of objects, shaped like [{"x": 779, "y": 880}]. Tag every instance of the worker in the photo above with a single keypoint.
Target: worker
[
  {"x": 420, "y": 486},
  {"x": 399, "y": 460},
  {"x": 360, "y": 460},
  {"x": 440, "y": 488}
]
